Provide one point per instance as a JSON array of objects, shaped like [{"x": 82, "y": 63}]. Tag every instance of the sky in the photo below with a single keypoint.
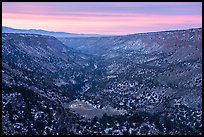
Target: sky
[{"x": 102, "y": 17}]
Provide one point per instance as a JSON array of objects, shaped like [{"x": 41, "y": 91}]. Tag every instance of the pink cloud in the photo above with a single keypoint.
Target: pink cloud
[{"x": 92, "y": 23}]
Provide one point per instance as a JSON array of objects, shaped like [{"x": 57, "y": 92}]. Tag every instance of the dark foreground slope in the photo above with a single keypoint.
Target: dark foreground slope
[
  {"x": 153, "y": 81},
  {"x": 39, "y": 74}
]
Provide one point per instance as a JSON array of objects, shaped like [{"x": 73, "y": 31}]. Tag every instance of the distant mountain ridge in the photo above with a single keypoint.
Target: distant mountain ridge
[{"x": 45, "y": 32}]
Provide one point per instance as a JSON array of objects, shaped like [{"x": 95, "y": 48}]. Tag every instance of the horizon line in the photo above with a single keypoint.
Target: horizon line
[{"x": 103, "y": 34}]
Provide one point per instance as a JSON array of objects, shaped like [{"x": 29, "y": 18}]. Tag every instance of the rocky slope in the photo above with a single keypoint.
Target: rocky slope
[
  {"x": 158, "y": 73},
  {"x": 39, "y": 74},
  {"x": 155, "y": 78}
]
